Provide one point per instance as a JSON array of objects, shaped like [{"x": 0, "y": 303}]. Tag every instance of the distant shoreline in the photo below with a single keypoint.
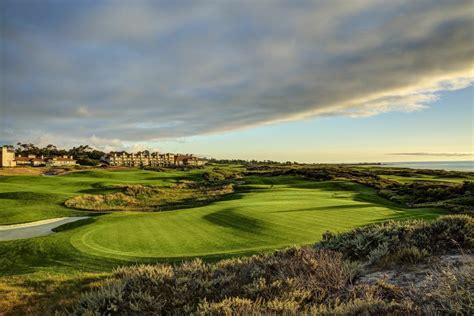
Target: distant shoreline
[{"x": 464, "y": 165}]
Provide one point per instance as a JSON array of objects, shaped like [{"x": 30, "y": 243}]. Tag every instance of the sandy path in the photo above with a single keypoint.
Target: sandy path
[{"x": 34, "y": 229}]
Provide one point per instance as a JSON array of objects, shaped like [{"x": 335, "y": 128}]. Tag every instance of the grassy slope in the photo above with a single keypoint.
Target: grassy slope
[
  {"x": 289, "y": 213},
  {"x": 32, "y": 198},
  {"x": 268, "y": 213}
]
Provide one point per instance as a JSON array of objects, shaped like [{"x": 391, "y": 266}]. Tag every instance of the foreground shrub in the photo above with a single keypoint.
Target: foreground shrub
[
  {"x": 359, "y": 306},
  {"x": 448, "y": 290},
  {"x": 375, "y": 242},
  {"x": 287, "y": 281}
]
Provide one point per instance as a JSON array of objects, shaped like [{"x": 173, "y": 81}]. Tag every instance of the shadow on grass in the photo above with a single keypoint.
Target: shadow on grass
[
  {"x": 101, "y": 190},
  {"x": 28, "y": 196},
  {"x": 170, "y": 177},
  {"x": 416, "y": 214},
  {"x": 228, "y": 218},
  {"x": 76, "y": 224},
  {"x": 296, "y": 182},
  {"x": 34, "y": 198},
  {"x": 193, "y": 202}
]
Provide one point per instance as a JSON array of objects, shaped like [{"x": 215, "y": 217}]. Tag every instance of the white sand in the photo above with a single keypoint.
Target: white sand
[{"x": 34, "y": 229}]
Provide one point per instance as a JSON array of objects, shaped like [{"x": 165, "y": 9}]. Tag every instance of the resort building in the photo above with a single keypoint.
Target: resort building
[
  {"x": 58, "y": 161},
  {"x": 189, "y": 160},
  {"x": 7, "y": 157},
  {"x": 23, "y": 161},
  {"x": 152, "y": 160}
]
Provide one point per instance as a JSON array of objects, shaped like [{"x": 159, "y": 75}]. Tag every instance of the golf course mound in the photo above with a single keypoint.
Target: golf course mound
[
  {"x": 150, "y": 198},
  {"x": 261, "y": 217}
]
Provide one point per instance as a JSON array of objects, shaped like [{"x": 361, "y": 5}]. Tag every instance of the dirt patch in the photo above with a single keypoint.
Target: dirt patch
[{"x": 416, "y": 275}]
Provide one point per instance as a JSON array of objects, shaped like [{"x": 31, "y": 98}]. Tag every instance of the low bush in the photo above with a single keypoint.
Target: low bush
[
  {"x": 455, "y": 197},
  {"x": 219, "y": 175},
  {"x": 448, "y": 290},
  {"x": 290, "y": 281},
  {"x": 374, "y": 242},
  {"x": 404, "y": 256}
]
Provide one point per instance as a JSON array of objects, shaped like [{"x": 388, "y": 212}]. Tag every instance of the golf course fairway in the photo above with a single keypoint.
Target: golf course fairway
[
  {"x": 282, "y": 212},
  {"x": 263, "y": 214}
]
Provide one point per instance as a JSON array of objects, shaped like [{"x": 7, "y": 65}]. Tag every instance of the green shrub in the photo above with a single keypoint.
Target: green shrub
[
  {"x": 213, "y": 176},
  {"x": 379, "y": 252},
  {"x": 404, "y": 256},
  {"x": 376, "y": 241},
  {"x": 455, "y": 197}
]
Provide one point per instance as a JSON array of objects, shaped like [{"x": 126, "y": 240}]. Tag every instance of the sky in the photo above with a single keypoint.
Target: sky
[{"x": 308, "y": 81}]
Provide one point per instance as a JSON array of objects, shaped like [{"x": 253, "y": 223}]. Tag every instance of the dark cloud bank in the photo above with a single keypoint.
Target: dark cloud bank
[{"x": 118, "y": 71}]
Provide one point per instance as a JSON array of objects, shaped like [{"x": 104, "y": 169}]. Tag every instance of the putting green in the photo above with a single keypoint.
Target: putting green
[{"x": 271, "y": 213}]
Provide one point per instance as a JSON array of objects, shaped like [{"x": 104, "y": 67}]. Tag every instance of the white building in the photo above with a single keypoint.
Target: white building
[{"x": 7, "y": 157}]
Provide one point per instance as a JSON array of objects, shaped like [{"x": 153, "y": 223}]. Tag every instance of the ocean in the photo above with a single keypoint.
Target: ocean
[{"x": 446, "y": 165}]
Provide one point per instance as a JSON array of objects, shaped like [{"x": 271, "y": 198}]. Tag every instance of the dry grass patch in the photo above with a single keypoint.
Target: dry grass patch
[
  {"x": 42, "y": 295},
  {"x": 22, "y": 171}
]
